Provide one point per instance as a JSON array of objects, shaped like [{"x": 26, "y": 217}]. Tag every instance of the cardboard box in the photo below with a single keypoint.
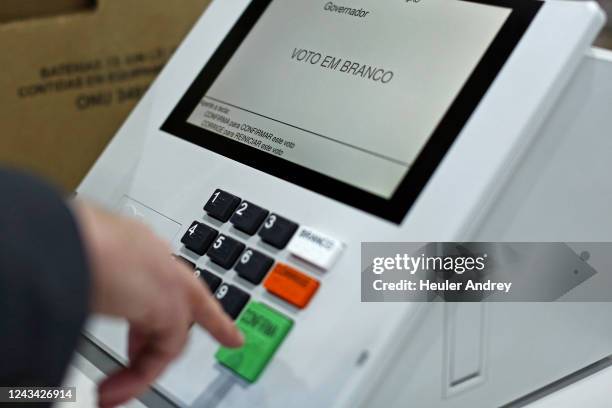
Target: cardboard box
[
  {"x": 605, "y": 38},
  {"x": 71, "y": 72}
]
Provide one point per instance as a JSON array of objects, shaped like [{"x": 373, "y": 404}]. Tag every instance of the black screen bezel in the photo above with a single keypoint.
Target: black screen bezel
[{"x": 393, "y": 209}]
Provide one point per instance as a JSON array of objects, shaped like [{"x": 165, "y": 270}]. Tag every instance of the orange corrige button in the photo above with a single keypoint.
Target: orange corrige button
[{"x": 291, "y": 285}]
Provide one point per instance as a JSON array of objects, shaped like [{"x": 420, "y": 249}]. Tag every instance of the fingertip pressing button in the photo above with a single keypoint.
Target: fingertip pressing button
[
  {"x": 264, "y": 330},
  {"x": 210, "y": 279},
  {"x": 184, "y": 261}
]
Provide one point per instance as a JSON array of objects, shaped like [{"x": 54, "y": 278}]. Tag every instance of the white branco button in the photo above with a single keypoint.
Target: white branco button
[{"x": 315, "y": 247}]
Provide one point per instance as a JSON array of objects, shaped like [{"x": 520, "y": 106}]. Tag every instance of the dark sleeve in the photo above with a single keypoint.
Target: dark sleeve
[{"x": 44, "y": 282}]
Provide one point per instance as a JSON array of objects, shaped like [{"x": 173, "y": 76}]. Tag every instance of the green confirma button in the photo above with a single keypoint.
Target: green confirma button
[{"x": 264, "y": 330}]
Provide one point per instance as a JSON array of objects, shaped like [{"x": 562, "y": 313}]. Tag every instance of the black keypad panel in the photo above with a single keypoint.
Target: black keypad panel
[
  {"x": 253, "y": 266},
  {"x": 232, "y": 299},
  {"x": 277, "y": 231},
  {"x": 212, "y": 280},
  {"x": 221, "y": 205},
  {"x": 198, "y": 237},
  {"x": 248, "y": 217},
  {"x": 224, "y": 251}
]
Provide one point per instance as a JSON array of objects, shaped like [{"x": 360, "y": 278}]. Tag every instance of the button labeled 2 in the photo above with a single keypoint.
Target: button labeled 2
[{"x": 248, "y": 217}]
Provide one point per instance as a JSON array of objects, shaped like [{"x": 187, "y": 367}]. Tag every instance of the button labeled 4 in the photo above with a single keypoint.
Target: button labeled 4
[{"x": 198, "y": 237}]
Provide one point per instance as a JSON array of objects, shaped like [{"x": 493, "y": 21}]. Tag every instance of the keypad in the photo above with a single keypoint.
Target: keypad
[
  {"x": 221, "y": 205},
  {"x": 248, "y": 217},
  {"x": 211, "y": 280},
  {"x": 198, "y": 237},
  {"x": 264, "y": 327},
  {"x": 224, "y": 251},
  {"x": 277, "y": 231},
  {"x": 253, "y": 266},
  {"x": 232, "y": 299}
]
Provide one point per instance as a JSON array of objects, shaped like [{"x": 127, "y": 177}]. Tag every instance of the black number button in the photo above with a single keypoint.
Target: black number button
[
  {"x": 232, "y": 299},
  {"x": 248, "y": 217},
  {"x": 199, "y": 237},
  {"x": 221, "y": 205},
  {"x": 224, "y": 251},
  {"x": 253, "y": 266},
  {"x": 277, "y": 231},
  {"x": 212, "y": 280}
]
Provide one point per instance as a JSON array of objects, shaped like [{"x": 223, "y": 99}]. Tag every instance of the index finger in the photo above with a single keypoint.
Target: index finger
[{"x": 209, "y": 314}]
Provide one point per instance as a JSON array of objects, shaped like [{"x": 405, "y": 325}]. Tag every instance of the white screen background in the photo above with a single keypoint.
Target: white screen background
[{"x": 377, "y": 129}]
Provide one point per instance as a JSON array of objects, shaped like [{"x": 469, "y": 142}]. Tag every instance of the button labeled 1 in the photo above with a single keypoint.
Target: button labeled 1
[
  {"x": 221, "y": 205},
  {"x": 315, "y": 247}
]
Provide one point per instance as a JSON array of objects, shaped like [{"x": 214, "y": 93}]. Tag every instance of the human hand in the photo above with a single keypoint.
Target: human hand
[{"x": 135, "y": 277}]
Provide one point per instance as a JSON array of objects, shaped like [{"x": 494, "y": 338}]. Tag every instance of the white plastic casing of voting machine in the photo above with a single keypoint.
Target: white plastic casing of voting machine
[{"x": 166, "y": 162}]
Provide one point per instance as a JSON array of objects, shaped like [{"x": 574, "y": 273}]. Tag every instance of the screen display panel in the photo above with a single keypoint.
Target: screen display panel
[{"x": 358, "y": 100}]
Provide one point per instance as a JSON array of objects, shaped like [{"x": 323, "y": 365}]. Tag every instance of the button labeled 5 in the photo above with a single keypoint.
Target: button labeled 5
[{"x": 224, "y": 251}]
